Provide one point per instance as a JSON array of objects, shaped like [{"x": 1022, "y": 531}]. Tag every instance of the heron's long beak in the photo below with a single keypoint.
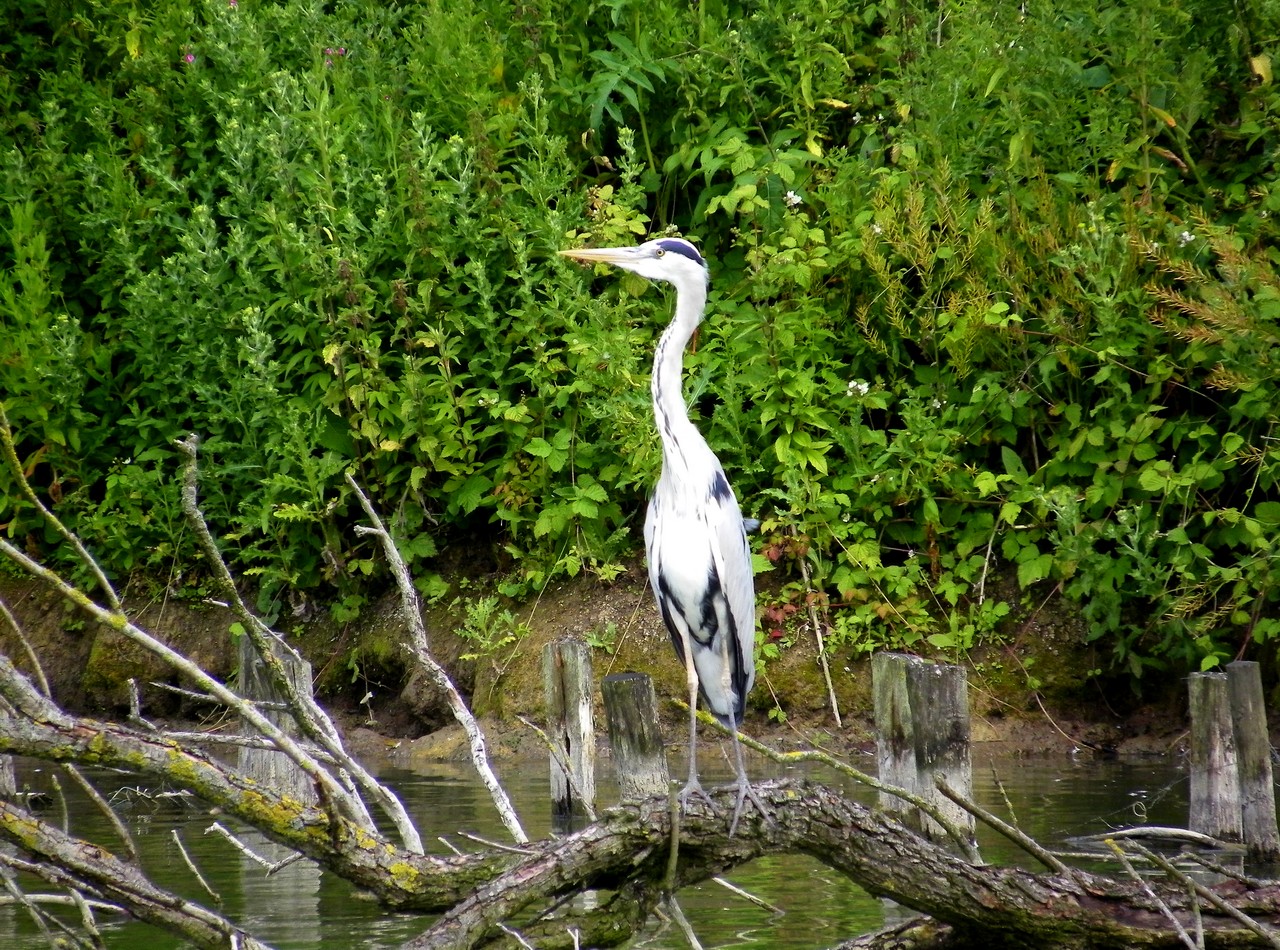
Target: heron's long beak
[{"x": 606, "y": 255}]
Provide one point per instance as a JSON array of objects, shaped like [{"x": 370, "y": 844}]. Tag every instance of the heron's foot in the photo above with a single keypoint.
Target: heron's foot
[
  {"x": 746, "y": 793},
  {"x": 693, "y": 789}
]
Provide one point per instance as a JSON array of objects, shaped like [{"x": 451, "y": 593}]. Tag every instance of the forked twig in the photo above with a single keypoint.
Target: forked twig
[{"x": 419, "y": 649}]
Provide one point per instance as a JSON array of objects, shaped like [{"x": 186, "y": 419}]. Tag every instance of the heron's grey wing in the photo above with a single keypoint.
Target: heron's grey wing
[{"x": 733, "y": 565}]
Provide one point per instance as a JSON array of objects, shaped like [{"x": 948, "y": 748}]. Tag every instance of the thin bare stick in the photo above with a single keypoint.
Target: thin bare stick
[
  {"x": 32, "y": 658},
  {"x": 87, "y": 919},
  {"x": 135, "y": 708},
  {"x": 200, "y": 697},
  {"x": 271, "y": 866},
  {"x": 1022, "y": 840},
  {"x": 677, "y": 914},
  {"x": 448, "y": 844},
  {"x": 748, "y": 896},
  {"x": 421, "y": 651},
  {"x": 816, "y": 623},
  {"x": 562, "y": 760},
  {"x": 1152, "y": 896},
  {"x": 1225, "y": 906},
  {"x": 514, "y": 935},
  {"x": 486, "y": 842},
  {"x": 1216, "y": 868},
  {"x": 220, "y": 829},
  {"x": 118, "y": 826},
  {"x": 191, "y": 865}
]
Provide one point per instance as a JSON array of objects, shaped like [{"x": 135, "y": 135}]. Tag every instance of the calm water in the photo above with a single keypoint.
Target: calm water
[{"x": 300, "y": 909}]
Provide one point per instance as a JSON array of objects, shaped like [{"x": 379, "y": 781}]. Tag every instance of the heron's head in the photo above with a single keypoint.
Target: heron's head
[{"x": 674, "y": 260}]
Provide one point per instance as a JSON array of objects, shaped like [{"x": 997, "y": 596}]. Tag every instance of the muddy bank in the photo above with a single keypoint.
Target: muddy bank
[{"x": 389, "y": 708}]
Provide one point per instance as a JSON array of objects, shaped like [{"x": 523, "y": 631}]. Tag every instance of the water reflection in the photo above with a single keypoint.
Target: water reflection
[{"x": 299, "y": 908}]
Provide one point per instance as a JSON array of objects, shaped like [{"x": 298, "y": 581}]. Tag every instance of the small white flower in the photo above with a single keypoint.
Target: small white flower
[
  {"x": 792, "y": 199},
  {"x": 857, "y": 117},
  {"x": 876, "y": 229},
  {"x": 857, "y": 387},
  {"x": 1185, "y": 238}
]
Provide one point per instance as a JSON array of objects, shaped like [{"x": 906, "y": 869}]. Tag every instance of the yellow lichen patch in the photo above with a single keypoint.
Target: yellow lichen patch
[{"x": 406, "y": 877}]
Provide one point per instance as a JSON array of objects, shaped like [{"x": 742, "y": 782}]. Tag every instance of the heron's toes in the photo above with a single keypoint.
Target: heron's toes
[
  {"x": 693, "y": 789},
  {"x": 747, "y": 793}
]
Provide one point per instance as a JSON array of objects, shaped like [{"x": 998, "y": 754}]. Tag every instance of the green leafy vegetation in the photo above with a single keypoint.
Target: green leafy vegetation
[{"x": 994, "y": 294}]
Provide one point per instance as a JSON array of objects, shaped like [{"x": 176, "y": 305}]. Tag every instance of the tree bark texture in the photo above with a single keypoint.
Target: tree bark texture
[{"x": 626, "y": 853}]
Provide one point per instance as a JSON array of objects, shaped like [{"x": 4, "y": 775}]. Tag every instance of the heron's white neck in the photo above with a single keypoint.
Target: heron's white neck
[{"x": 678, "y": 434}]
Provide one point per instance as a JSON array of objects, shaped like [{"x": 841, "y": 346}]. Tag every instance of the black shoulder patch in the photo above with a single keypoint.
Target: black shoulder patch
[
  {"x": 720, "y": 489},
  {"x": 684, "y": 248}
]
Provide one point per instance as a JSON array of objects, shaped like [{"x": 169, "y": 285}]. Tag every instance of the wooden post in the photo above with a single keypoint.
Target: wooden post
[
  {"x": 1253, "y": 752},
  {"x": 8, "y": 779},
  {"x": 1215, "y": 780},
  {"x": 566, "y": 676},
  {"x": 631, "y": 712},
  {"x": 270, "y": 767},
  {"x": 922, "y": 732}
]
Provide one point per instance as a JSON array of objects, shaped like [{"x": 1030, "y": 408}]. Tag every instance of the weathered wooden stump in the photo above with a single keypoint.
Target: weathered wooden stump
[
  {"x": 631, "y": 712},
  {"x": 270, "y": 767},
  {"x": 1232, "y": 787},
  {"x": 566, "y": 677},
  {"x": 1253, "y": 752},
  {"x": 922, "y": 733},
  {"x": 1215, "y": 780}
]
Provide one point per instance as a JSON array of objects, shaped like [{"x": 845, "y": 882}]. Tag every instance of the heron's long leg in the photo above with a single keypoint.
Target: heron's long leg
[
  {"x": 692, "y": 786},
  {"x": 744, "y": 784},
  {"x": 745, "y": 791}
]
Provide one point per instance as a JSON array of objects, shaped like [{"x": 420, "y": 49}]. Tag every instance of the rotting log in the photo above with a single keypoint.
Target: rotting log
[{"x": 625, "y": 852}]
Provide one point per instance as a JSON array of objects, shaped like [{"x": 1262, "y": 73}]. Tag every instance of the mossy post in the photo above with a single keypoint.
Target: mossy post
[
  {"x": 1215, "y": 779},
  {"x": 922, "y": 734},
  {"x": 631, "y": 712},
  {"x": 566, "y": 675},
  {"x": 270, "y": 767}
]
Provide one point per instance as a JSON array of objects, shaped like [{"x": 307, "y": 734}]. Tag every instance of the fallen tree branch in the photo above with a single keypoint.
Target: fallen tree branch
[
  {"x": 32, "y": 725},
  {"x": 65, "y": 861},
  {"x": 313, "y": 721},
  {"x": 627, "y": 852}
]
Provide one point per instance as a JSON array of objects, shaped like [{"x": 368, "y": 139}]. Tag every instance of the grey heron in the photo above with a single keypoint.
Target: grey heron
[{"x": 694, "y": 534}]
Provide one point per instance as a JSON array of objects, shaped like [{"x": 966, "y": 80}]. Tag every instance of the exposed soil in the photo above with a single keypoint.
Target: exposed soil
[{"x": 386, "y": 705}]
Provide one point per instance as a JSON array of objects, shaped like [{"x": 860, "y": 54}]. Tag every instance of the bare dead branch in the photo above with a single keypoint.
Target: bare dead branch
[
  {"x": 313, "y": 721},
  {"x": 66, "y": 861},
  {"x": 1023, "y": 841},
  {"x": 419, "y": 649}
]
